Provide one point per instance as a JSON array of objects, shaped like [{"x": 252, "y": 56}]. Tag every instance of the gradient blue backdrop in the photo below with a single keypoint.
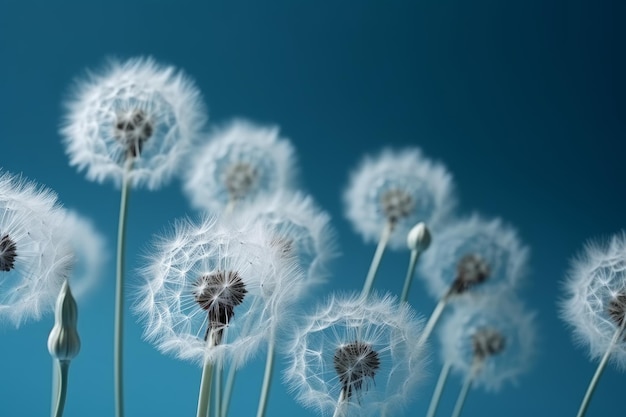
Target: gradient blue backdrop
[{"x": 523, "y": 101}]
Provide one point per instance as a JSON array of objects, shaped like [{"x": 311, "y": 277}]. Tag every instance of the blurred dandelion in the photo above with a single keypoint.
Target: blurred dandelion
[
  {"x": 35, "y": 255},
  {"x": 391, "y": 192},
  {"x": 239, "y": 162},
  {"x": 490, "y": 341},
  {"x": 472, "y": 255},
  {"x": 90, "y": 253},
  {"x": 356, "y": 356},
  {"x": 595, "y": 305},
  {"x": 213, "y": 291}
]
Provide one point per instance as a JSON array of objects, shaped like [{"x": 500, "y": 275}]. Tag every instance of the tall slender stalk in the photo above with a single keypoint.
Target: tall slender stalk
[
  {"x": 458, "y": 407},
  {"x": 433, "y": 319},
  {"x": 228, "y": 391},
  {"x": 61, "y": 392},
  {"x": 204, "y": 396},
  {"x": 441, "y": 383},
  {"x": 217, "y": 387},
  {"x": 119, "y": 294},
  {"x": 341, "y": 403},
  {"x": 415, "y": 254},
  {"x": 378, "y": 254},
  {"x": 267, "y": 377},
  {"x": 596, "y": 376}
]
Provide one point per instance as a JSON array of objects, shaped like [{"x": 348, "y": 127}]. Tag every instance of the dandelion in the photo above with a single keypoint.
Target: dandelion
[
  {"x": 356, "y": 356},
  {"x": 138, "y": 111},
  {"x": 240, "y": 162},
  {"x": 391, "y": 192},
  {"x": 490, "y": 341},
  {"x": 132, "y": 125},
  {"x": 595, "y": 305},
  {"x": 35, "y": 256},
  {"x": 213, "y": 292},
  {"x": 90, "y": 252},
  {"x": 472, "y": 255}
]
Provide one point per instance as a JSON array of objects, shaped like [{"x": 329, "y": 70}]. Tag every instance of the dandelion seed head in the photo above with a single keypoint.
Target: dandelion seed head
[
  {"x": 594, "y": 297},
  {"x": 401, "y": 187},
  {"x": 136, "y": 109}
]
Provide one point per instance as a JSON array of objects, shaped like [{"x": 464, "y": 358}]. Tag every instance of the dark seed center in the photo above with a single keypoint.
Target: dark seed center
[
  {"x": 471, "y": 270},
  {"x": 617, "y": 309},
  {"x": 487, "y": 342},
  {"x": 133, "y": 130},
  {"x": 8, "y": 252},
  {"x": 218, "y": 294},
  {"x": 240, "y": 179},
  {"x": 396, "y": 205},
  {"x": 354, "y": 363}
]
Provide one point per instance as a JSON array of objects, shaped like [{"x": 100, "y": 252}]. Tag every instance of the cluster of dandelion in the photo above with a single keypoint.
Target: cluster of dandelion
[{"x": 213, "y": 289}]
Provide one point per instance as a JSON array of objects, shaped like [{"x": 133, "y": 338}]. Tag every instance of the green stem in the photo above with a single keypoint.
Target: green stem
[
  {"x": 63, "y": 370},
  {"x": 267, "y": 377},
  {"x": 119, "y": 294},
  {"x": 228, "y": 390},
  {"x": 596, "y": 376},
  {"x": 380, "y": 249},
  {"x": 204, "y": 398},
  {"x": 218, "y": 389},
  {"x": 55, "y": 386},
  {"x": 441, "y": 383},
  {"x": 432, "y": 321},
  {"x": 409, "y": 275},
  {"x": 458, "y": 407}
]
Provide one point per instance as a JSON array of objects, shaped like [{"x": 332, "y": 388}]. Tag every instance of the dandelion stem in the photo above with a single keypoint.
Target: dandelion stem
[
  {"x": 432, "y": 320},
  {"x": 228, "y": 390},
  {"x": 119, "y": 294},
  {"x": 267, "y": 377},
  {"x": 339, "y": 409},
  {"x": 63, "y": 369},
  {"x": 415, "y": 254},
  {"x": 441, "y": 383},
  {"x": 218, "y": 388},
  {"x": 204, "y": 398},
  {"x": 596, "y": 377},
  {"x": 55, "y": 386},
  {"x": 460, "y": 401},
  {"x": 380, "y": 249}
]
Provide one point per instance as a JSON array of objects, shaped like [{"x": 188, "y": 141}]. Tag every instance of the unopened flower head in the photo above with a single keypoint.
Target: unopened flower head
[
  {"x": 474, "y": 255},
  {"x": 595, "y": 301},
  {"x": 399, "y": 187},
  {"x": 240, "y": 161},
  {"x": 491, "y": 339},
  {"x": 35, "y": 256},
  {"x": 138, "y": 110},
  {"x": 300, "y": 229},
  {"x": 362, "y": 351},
  {"x": 90, "y": 250},
  {"x": 215, "y": 290}
]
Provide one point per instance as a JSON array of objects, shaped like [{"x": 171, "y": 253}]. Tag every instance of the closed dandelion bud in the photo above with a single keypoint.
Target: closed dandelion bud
[
  {"x": 63, "y": 342},
  {"x": 419, "y": 237}
]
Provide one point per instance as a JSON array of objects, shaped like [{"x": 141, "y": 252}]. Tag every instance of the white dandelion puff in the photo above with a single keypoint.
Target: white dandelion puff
[
  {"x": 139, "y": 110},
  {"x": 239, "y": 162},
  {"x": 213, "y": 291},
  {"x": 357, "y": 355},
  {"x": 301, "y": 229},
  {"x": 35, "y": 256},
  {"x": 475, "y": 255},
  {"x": 490, "y": 340},
  {"x": 400, "y": 188}
]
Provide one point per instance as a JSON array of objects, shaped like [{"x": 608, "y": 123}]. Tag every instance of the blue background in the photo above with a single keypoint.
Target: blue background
[{"x": 522, "y": 100}]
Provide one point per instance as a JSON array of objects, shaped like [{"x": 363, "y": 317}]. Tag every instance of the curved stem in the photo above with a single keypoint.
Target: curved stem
[
  {"x": 432, "y": 321},
  {"x": 267, "y": 377},
  {"x": 596, "y": 376},
  {"x": 409, "y": 275},
  {"x": 380, "y": 249},
  {"x": 63, "y": 370},
  {"x": 458, "y": 407},
  {"x": 119, "y": 294},
  {"x": 204, "y": 397},
  {"x": 441, "y": 383}
]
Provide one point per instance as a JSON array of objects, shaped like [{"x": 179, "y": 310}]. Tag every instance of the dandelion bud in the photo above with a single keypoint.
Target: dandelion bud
[
  {"x": 419, "y": 237},
  {"x": 63, "y": 342}
]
